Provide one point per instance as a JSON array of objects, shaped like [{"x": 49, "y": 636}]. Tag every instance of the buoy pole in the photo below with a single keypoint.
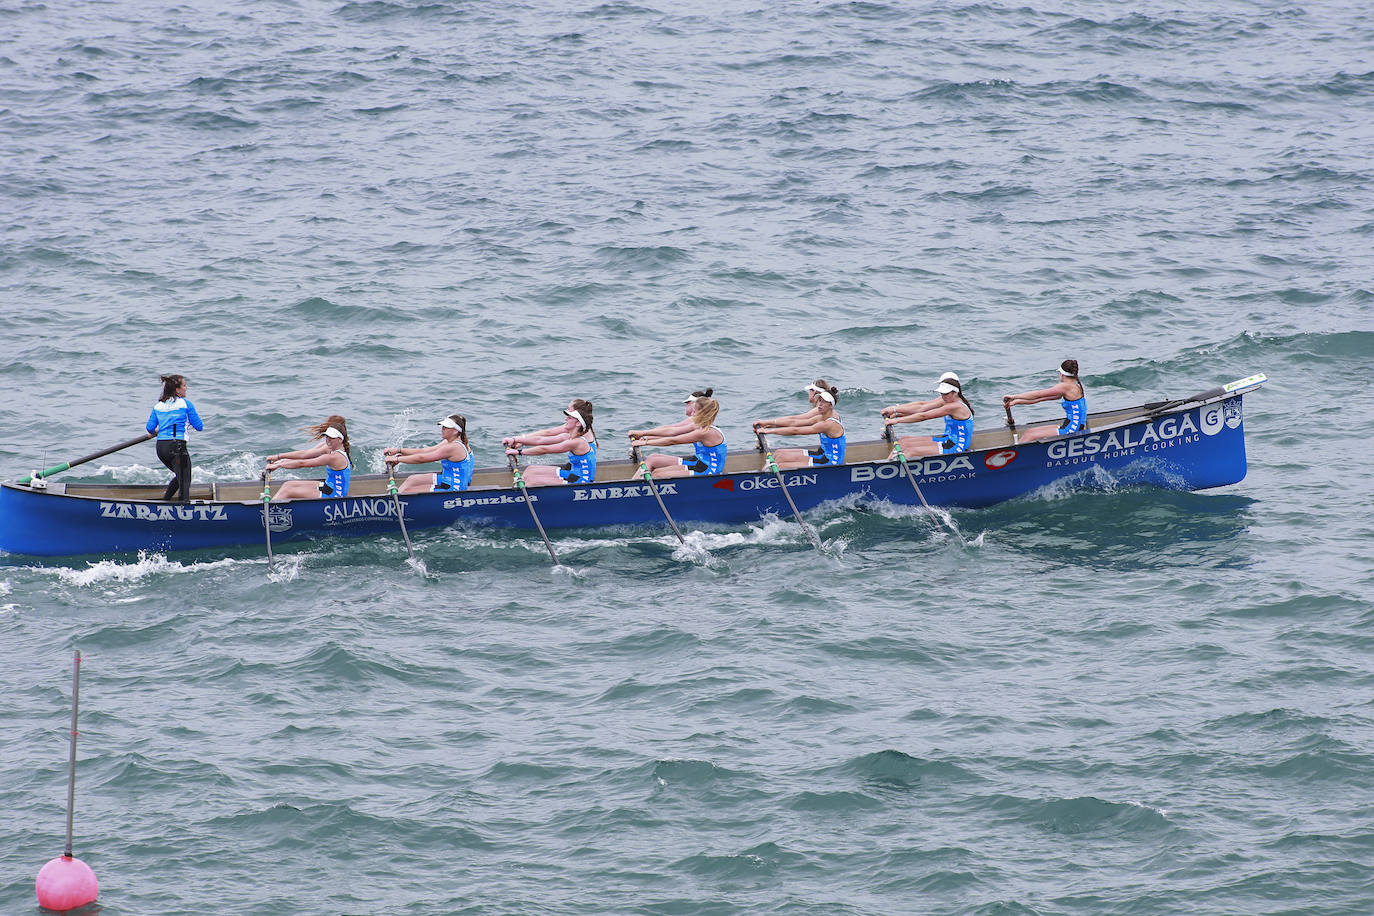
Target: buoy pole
[
  {"x": 71, "y": 754},
  {"x": 66, "y": 882}
]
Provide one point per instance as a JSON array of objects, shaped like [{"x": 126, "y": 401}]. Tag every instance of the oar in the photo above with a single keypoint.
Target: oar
[
  {"x": 520, "y": 483},
  {"x": 1157, "y": 407},
  {"x": 267, "y": 514},
  {"x": 773, "y": 466},
  {"x": 396, "y": 501},
  {"x": 649, "y": 477},
  {"x": 59, "y": 468},
  {"x": 1011, "y": 422},
  {"x": 901, "y": 456}
]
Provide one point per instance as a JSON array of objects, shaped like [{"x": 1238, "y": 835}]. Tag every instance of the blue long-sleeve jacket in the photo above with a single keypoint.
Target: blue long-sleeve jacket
[{"x": 169, "y": 418}]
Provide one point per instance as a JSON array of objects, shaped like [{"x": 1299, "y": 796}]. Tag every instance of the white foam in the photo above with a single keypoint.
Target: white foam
[
  {"x": 695, "y": 549},
  {"x": 286, "y": 568},
  {"x": 133, "y": 473},
  {"x": 106, "y": 571},
  {"x": 243, "y": 466}
]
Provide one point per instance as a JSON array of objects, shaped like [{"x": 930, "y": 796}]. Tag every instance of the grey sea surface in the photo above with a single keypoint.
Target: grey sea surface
[{"x": 1119, "y": 702}]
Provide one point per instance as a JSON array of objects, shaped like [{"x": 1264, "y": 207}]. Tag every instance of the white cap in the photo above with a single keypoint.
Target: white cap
[
  {"x": 577, "y": 416},
  {"x": 949, "y": 377},
  {"x": 333, "y": 433},
  {"x": 946, "y": 388},
  {"x": 450, "y": 423}
]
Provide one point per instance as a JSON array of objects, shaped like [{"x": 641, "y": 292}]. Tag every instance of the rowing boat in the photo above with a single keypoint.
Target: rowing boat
[{"x": 1183, "y": 444}]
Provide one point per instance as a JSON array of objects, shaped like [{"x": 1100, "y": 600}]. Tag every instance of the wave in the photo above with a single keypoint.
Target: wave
[
  {"x": 147, "y": 565},
  {"x": 891, "y": 769},
  {"x": 1082, "y": 814},
  {"x": 965, "y": 93},
  {"x": 316, "y": 309},
  {"x": 213, "y": 120},
  {"x": 430, "y": 14},
  {"x": 287, "y": 828},
  {"x": 646, "y": 256},
  {"x": 756, "y": 861}
]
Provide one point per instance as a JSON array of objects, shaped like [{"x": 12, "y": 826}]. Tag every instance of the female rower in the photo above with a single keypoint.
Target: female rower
[
  {"x": 1072, "y": 399},
  {"x": 169, "y": 418},
  {"x": 575, "y": 438},
  {"x": 703, "y": 434},
  {"x": 812, "y": 395},
  {"x": 681, "y": 426},
  {"x": 958, "y": 414},
  {"x": 821, "y": 420},
  {"x": 333, "y": 454},
  {"x": 455, "y": 460},
  {"x": 913, "y": 406}
]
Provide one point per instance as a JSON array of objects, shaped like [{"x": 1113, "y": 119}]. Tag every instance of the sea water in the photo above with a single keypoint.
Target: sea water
[{"x": 1127, "y": 701}]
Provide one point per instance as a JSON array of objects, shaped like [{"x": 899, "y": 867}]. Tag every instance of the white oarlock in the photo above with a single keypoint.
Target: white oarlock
[{"x": 36, "y": 482}]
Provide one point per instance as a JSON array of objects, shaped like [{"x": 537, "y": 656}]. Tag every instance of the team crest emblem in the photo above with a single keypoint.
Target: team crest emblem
[
  {"x": 279, "y": 518},
  {"x": 1000, "y": 459}
]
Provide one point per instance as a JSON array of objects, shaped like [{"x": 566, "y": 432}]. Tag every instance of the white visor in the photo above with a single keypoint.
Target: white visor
[
  {"x": 689, "y": 399},
  {"x": 450, "y": 423},
  {"x": 1063, "y": 372},
  {"x": 946, "y": 388},
  {"x": 949, "y": 377},
  {"x": 574, "y": 414},
  {"x": 822, "y": 392},
  {"x": 333, "y": 433}
]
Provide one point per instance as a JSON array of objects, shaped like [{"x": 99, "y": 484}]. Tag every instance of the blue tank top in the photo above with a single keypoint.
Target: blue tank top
[
  {"x": 960, "y": 432},
  {"x": 454, "y": 475},
  {"x": 584, "y": 466},
  {"x": 338, "y": 481},
  {"x": 1077, "y": 414},
  {"x": 834, "y": 447},
  {"x": 169, "y": 418},
  {"x": 713, "y": 456}
]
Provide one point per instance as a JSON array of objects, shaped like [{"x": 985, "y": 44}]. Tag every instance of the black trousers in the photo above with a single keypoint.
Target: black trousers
[{"x": 173, "y": 453}]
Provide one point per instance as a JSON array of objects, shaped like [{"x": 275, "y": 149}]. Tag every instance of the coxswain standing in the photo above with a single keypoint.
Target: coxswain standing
[{"x": 169, "y": 419}]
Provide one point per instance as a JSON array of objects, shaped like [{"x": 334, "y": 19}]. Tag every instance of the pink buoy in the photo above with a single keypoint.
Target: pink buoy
[{"x": 66, "y": 883}]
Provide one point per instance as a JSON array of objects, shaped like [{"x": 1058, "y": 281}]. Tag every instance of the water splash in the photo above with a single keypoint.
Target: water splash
[
  {"x": 109, "y": 571},
  {"x": 287, "y": 567}
]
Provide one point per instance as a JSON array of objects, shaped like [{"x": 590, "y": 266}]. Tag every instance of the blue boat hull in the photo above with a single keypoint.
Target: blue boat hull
[{"x": 1189, "y": 449}]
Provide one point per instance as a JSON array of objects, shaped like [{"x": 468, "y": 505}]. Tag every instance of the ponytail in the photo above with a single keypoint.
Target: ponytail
[
  {"x": 170, "y": 384},
  {"x": 585, "y": 409},
  {"x": 960, "y": 386},
  {"x": 462, "y": 422},
  {"x": 317, "y": 432}
]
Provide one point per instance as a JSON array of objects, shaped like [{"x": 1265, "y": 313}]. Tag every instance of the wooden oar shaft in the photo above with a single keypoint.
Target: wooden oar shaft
[
  {"x": 782, "y": 485},
  {"x": 267, "y": 515},
  {"x": 653, "y": 486},
  {"x": 520, "y": 484},
  {"x": 901, "y": 457},
  {"x": 400, "y": 511},
  {"x": 59, "y": 468}
]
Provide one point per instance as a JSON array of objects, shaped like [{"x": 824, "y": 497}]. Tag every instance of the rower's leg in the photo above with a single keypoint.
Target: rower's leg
[
  {"x": 791, "y": 458},
  {"x": 417, "y": 483}
]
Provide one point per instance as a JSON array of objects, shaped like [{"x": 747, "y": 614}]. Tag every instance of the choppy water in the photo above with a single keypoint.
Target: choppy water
[{"x": 1123, "y": 702}]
